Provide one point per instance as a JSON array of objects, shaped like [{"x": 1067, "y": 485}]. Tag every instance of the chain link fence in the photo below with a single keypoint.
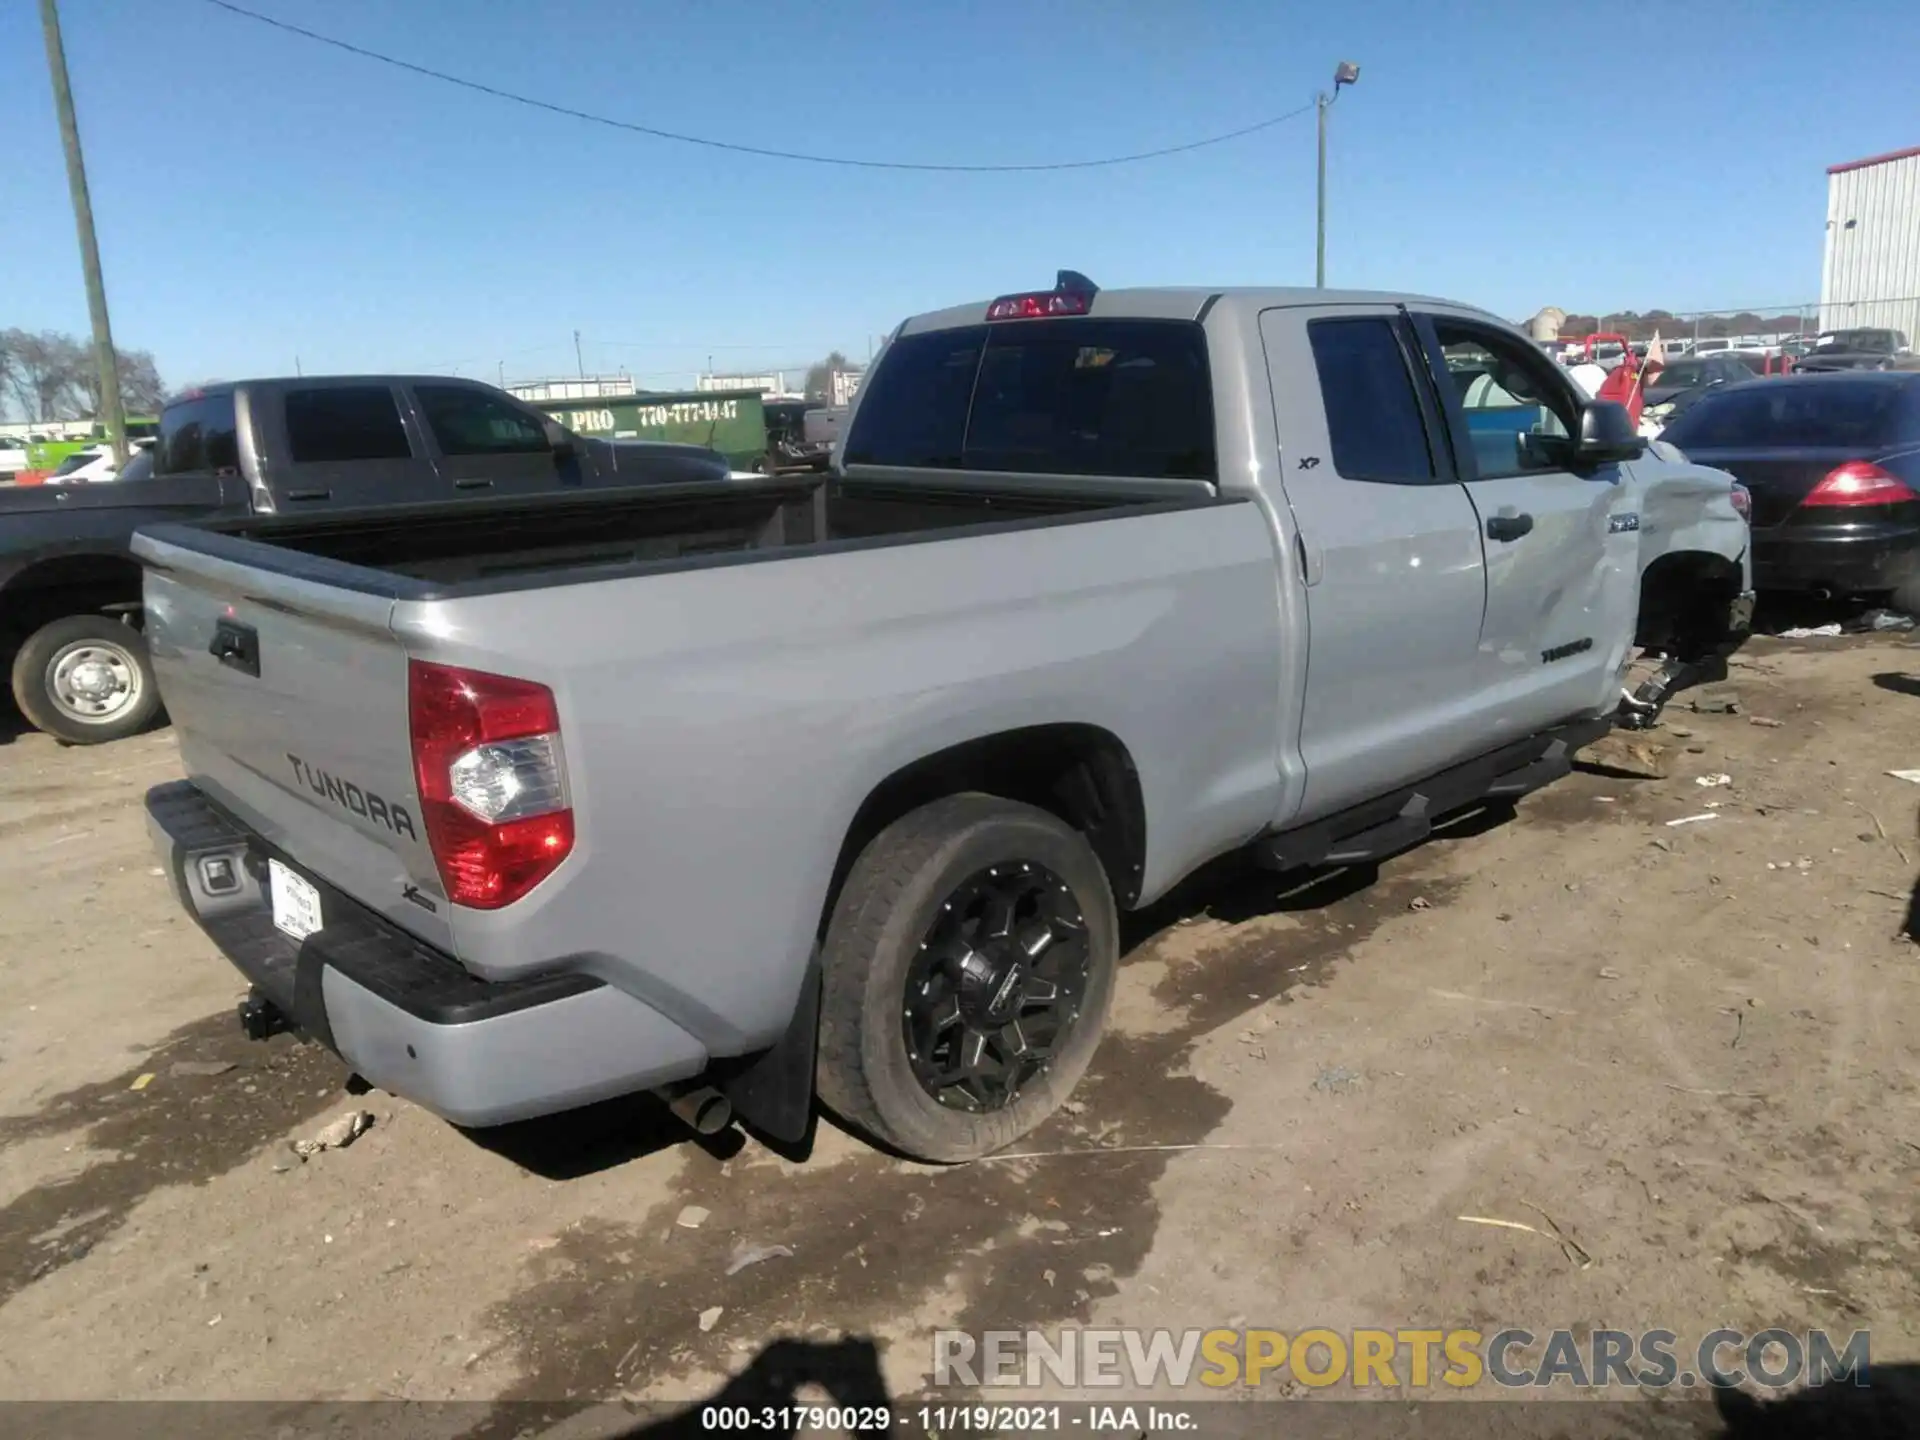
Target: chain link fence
[{"x": 1769, "y": 325}]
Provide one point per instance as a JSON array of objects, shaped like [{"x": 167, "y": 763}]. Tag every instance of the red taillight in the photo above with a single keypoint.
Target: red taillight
[
  {"x": 1743, "y": 501},
  {"x": 1040, "y": 304},
  {"x": 493, "y": 785},
  {"x": 1859, "y": 482}
]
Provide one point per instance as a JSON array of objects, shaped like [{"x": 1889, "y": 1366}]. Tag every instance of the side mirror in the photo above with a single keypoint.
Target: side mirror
[
  {"x": 560, "y": 439},
  {"x": 1606, "y": 434}
]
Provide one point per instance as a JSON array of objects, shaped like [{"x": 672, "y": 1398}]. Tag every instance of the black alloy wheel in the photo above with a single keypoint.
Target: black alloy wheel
[{"x": 996, "y": 987}]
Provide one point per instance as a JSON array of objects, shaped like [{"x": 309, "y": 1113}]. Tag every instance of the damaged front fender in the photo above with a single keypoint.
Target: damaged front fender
[
  {"x": 1696, "y": 588},
  {"x": 1688, "y": 509}
]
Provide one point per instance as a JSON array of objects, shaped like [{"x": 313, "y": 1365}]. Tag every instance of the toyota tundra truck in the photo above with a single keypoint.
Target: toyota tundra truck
[{"x": 829, "y": 788}]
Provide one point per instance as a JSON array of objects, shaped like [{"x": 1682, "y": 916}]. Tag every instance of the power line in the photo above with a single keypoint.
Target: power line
[
  {"x": 699, "y": 345},
  {"x": 759, "y": 150}
]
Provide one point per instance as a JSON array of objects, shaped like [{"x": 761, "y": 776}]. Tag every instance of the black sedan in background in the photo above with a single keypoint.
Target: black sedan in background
[
  {"x": 1679, "y": 384},
  {"x": 1833, "y": 465}
]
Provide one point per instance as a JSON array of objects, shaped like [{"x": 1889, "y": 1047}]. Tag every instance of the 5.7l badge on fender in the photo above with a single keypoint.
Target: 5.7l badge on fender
[{"x": 1630, "y": 520}]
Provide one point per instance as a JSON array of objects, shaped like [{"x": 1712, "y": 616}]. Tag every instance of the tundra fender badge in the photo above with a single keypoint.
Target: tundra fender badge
[
  {"x": 1630, "y": 520},
  {"x": 1571, "y": 648}
]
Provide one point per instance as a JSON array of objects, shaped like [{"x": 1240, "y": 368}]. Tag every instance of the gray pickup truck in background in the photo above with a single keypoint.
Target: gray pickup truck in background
[
  {"x": 70, "y": 616},
  {"x": 794, "y": 787}
]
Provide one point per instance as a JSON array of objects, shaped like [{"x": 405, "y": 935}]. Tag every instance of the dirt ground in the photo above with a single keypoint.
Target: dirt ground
[{"x": 1692, "y": 1047}]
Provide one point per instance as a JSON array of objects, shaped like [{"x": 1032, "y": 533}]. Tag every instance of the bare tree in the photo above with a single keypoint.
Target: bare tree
[
  {"x": 141, "y": 390},
  {"x": 819, "y": 383},
  {"x": 84, "y": 381},
  {"x": 50, "y": 376},
  {"x": 41, "y": 375}
]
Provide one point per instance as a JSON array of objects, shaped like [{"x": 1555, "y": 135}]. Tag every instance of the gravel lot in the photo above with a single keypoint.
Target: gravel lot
[{"x": 1692, "y": 1047}]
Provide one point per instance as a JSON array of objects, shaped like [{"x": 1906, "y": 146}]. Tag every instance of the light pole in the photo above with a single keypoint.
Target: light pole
[
  {"x": 1345, "y": 73},
  {"x": 105, "y": 357}
]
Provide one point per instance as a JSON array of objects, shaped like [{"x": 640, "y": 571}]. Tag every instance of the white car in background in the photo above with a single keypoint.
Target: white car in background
[{"x": 94, "y": 465}]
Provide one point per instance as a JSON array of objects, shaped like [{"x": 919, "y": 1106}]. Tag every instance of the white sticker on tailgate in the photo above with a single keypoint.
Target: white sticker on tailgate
[{"x": 296, "y": 903}]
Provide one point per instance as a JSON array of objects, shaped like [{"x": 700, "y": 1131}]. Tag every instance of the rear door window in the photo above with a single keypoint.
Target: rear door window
[
  {"x": 1374, "y": 424},
  {"x": 1049, "y": 397},
  {"x": 1819, "y": 415},
  {"x": 335, "y": 423}
]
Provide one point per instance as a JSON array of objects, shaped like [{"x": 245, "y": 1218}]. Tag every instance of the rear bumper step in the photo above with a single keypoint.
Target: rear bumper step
[{"x": 407, "y": 1017}]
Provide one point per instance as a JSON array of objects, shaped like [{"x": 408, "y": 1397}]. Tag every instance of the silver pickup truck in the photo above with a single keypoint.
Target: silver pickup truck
[{"x": 752, "y": 792}]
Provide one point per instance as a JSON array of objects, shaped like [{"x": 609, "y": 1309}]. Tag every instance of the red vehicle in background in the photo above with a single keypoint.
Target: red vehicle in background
[{"x": 1626, "y": 383}]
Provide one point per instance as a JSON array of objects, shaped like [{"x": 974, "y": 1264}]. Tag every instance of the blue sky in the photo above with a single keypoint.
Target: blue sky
[{"x": 260, "y": 197}]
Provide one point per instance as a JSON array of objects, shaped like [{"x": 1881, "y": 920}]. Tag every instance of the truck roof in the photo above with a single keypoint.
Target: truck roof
[
  {"x": 314, "y": 382},
  {"x": 1189, "y": 302}
]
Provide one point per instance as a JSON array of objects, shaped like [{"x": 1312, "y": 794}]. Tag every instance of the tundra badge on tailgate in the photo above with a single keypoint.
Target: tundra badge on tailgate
[{"x": 349, "y": 796}]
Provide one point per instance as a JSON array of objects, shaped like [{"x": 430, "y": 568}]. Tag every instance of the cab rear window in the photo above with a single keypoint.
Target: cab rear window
[
  {"x": 1051, "y": 397},
  {"x": 197, "y": 434}
]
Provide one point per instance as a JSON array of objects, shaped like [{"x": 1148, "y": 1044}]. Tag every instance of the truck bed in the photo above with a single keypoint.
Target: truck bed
[
  {"x": 693, "y": 684},
  {"x": 480, "y": 546}
]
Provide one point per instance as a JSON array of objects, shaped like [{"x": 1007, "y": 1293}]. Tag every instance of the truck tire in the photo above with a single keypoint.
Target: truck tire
[
  {"x": 86, "y": 679},
  {"x": 966, "y": 977}
]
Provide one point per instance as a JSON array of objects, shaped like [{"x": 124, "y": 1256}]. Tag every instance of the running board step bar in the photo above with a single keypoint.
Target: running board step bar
[
  {"x": 1555, "y": 764},
  {"x": 1402, "y": 832},
  {"x": 1397, "y": 821}
]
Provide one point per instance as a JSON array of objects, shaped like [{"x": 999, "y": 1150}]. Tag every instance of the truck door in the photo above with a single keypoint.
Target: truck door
[
  {"x": 1562, "y": 552},
  {"x": 338, "y": 445},
  {"x": 485, "y": 444},
  {"x": 1390, "y": 553}
]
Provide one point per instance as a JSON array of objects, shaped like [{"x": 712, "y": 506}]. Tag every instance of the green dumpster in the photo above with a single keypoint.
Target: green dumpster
[{"x": 730, "y": 421}]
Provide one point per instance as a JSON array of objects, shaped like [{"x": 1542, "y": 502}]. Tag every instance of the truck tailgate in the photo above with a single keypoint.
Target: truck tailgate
[{"x": 289, "y": 697}]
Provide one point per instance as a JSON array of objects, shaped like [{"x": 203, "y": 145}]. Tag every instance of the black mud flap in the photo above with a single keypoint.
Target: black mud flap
[{"x": 773, "y": 1091}]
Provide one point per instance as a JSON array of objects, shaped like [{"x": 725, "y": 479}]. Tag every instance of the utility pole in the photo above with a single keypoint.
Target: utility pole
[
  {"x": 578, "y": 363},
  {"x": 503, "y": 373},
  {"x": 1345, "y": 73},
  {"x": 1320, "y": 103},
  {"x": 115, "y": 417}
]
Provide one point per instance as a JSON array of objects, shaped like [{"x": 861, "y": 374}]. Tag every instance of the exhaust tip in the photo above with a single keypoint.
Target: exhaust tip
[{"x": 704, "y": 1109}]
